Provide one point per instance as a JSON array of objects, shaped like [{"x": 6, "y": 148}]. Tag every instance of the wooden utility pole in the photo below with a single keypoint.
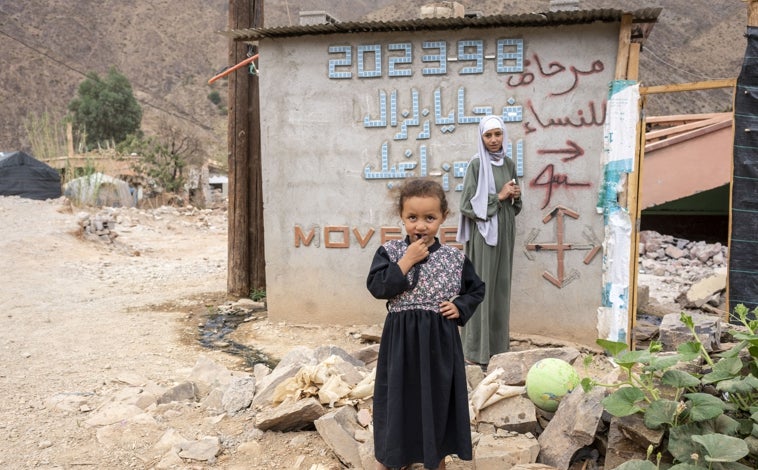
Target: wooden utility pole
[
  {"x": 246, "y": 263},
  {"x": 752, "y": 13}
]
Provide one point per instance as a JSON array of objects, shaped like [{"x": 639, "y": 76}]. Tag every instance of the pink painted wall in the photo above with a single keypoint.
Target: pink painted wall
[{"x": 686, "y": 164}]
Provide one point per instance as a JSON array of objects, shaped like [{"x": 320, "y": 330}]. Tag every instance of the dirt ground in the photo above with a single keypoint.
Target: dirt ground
[{"x": 78, "y": 315}]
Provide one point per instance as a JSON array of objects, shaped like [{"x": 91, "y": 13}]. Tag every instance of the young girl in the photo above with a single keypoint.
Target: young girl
[{"x": 420, "y": 395}]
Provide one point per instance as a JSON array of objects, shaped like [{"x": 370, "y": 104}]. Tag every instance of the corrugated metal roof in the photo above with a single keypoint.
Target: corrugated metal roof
[{"x": 642, "y": 23}]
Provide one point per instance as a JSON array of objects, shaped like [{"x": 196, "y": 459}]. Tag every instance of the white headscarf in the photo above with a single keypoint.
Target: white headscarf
[{"x": 485, "y": 185}]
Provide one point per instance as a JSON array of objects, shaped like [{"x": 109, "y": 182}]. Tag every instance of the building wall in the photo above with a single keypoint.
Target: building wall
[
  {"x": 699, "y": 162},
  {"x": 346, "y": 118}
]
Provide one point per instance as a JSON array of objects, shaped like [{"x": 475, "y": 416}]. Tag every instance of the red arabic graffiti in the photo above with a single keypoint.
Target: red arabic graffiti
[
  {"x": 550, "y": 180},
  {"x": 594, "y": 118},
  {"x": 553, "y": 68}
]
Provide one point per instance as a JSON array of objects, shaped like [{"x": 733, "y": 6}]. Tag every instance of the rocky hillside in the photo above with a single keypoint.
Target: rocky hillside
[{"x": 170, "y": 48}]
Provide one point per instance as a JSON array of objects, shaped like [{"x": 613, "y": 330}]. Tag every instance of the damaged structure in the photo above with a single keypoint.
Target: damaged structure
[{"x": 371, "y": 104}]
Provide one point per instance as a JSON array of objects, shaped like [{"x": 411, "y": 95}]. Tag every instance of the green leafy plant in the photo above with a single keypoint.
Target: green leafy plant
[
  {"x": 709, "y": 414},
  {"x": 257, "y": 294}
]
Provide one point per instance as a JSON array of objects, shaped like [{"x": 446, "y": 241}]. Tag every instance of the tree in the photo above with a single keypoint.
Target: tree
[
  {"x": 165, "y": 155},
  {"x": 105, "y": 109}
]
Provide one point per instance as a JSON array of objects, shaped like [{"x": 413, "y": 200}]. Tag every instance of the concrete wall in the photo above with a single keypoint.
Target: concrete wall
[{"x": 345, "y": 118}]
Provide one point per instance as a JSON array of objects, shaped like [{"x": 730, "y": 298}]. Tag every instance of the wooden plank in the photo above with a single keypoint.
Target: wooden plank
[
  {"x": 661, "y": 133},
  {"x": 693, "y": 86},
  {"x": 633, "y": 206},
  {"x": 659, "y": 144},
  {"x": 625, "y": 39},
  {"x": 685, "y": 118},
  {"x": 633, "y": 68}
]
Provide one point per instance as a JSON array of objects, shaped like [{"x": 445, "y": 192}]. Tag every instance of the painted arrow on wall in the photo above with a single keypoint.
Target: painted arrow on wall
[
  {"x": 573, "y": 151},
  {"x": 560, "y": 247}
]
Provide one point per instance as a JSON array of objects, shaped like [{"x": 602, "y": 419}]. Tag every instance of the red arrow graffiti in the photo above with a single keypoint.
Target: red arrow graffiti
[{"x": 573, "y": 151}]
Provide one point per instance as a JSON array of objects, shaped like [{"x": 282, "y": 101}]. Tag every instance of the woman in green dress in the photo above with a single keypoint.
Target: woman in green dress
[{"x": 490, "y": 201}]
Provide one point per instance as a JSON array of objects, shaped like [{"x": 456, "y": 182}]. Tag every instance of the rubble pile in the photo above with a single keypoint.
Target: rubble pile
[
  {"x": 664, "y": 255},
  {"x": 696, "y": 269},
  {"x": 98, "y": 227},
  {"x": 330, "y": 390}
]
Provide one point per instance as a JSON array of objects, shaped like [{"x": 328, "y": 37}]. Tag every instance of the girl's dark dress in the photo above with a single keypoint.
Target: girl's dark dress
[{"x": 420, "y": 395}]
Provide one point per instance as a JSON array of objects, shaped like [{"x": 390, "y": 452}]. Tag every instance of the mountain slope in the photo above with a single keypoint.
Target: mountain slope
[{"x": 168, "y": 49}]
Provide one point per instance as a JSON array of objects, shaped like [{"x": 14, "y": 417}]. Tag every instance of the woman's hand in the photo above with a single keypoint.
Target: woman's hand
[
  {"x": 509, "y": 190},
  {"x": 449, "y": 310}
]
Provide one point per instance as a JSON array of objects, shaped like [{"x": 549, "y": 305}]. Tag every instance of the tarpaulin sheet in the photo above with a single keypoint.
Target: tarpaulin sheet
[
  {"x": 25, "y": 176},
  {"x": 743, "y": 241}
]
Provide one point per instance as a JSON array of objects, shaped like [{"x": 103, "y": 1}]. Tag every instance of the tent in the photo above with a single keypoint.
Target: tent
[
  {"x": 25, "y": 176},
  {"x": 99, "y": 189}
]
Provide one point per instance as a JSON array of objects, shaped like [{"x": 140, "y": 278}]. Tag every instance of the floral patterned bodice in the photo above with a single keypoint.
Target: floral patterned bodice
[{"x": 432, "y": 281}]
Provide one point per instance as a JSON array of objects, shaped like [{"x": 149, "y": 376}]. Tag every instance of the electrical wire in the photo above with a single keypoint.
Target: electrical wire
[
  {"x": 655, "y": 56},
  {"x": 183, "y": 116}
]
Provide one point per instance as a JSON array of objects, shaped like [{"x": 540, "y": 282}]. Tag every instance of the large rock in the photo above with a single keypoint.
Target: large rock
[
  {"x": 515, "y": 414},
  {"x": 238, "y": 395},
  {"x": 628, "y": 439},
  {"x": 702, "y": 291},
  {"x": 572, "y": 427},
  {"x": 338, "y": 428},
  {"x": 504, "y": 451},
  {"x": 290, "y": 416},
  {"x": 516, "y": 364},
  {"x": 707, "y": 327}
]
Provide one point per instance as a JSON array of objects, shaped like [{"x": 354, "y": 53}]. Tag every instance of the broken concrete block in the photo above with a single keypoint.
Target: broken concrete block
[
  {"x": 702, "y": 291},
  {"x": 290, "y": 416},
  {"x": 516, "y": 364},
  {"x": 502, "y": 452},
  {"x": 515, "y": 414},
  {"x": 337, "y": 428}
]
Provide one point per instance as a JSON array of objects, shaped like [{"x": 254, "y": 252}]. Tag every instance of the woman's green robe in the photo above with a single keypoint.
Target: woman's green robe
[{"x": 487, "y": 333}]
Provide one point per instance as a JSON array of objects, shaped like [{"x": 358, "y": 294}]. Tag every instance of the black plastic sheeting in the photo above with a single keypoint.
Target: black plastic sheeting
[
  {"x": 743, "y": 241},
  {"x": 25, "y": 176}
]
